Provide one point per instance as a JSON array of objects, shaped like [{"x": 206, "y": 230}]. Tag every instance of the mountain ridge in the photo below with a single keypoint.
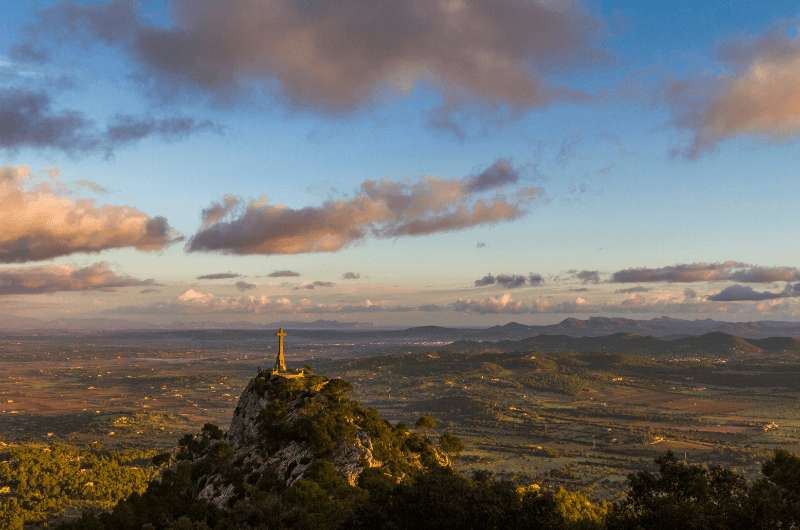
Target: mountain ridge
[
  {"x": 662, "y": 326},
  {"x": 713, "y": 343}
]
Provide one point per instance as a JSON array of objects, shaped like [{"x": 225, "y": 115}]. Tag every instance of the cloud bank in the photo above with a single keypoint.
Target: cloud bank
[
  {"x": 28, "y": 120},
  {"x": 315, "y": 284},
  {"x": 380, "y": 208},
  {"x": 195, "y": 301},
  {"x": 708, "y": 272},
  {"x": 38, "y": 223},
  {"x": 245, "y": 286},
  {"x": 337, "y": 57},
  {"x": 59, "y": 278},
  {"x": 586, "y": 276},
  {"x": 283, "y": 274},
  {"x": 510, "y": 281},
  {"x": 219, "y": 276}
]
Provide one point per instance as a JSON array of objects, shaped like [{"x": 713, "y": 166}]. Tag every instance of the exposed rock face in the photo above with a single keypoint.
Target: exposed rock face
[
  {"x": 282, "y": 427},
  {"x": 289, "y": 462},
  {"x": 244, "y": 425}
]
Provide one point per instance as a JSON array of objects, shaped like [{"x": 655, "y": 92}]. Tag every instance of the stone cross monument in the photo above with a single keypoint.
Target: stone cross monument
[{"x": 280, "y": 360}]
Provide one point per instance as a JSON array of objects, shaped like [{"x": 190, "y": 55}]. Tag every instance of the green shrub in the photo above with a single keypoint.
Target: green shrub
[{"x": 426, "y": 422}]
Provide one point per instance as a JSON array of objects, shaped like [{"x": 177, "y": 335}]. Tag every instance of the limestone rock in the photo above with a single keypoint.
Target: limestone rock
[{"x": 275, "y": 435}]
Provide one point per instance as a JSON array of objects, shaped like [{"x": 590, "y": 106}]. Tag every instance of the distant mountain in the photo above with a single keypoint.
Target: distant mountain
[
  {"x": 656, "y": 327},
  {"x": 714, "y": 344},
  {"x": 322, "y": 330}
]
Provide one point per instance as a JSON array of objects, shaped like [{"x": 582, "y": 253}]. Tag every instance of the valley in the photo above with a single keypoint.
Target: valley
[{"x": 556, "y": 410}]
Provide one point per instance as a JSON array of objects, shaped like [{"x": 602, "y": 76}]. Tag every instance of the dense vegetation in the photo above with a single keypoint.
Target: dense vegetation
[
  {"x": 39, "y": 480},
  {"x": 677, "y": 495},
  {"x": 323, "y": 415}
]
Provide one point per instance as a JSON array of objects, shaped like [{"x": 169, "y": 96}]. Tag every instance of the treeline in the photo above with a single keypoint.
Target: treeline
[{"x": 676, "y": 495}]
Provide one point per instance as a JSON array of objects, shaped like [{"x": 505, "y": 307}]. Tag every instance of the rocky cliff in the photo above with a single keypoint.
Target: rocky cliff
[{"x": 284, "y": 427}]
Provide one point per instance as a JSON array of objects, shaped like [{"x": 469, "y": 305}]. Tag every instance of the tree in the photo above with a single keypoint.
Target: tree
[
  {"x": 426, "y": 422},
  {"x": 775, "y": 498},
  {"x": 683, "y": 496},
  {"x": 451, "y": 444}
]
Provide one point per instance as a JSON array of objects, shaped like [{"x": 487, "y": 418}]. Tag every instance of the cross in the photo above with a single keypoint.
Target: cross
[{"x": 280, "y": 361}]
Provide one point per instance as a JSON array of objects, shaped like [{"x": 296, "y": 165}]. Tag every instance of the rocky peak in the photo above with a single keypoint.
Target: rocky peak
[{"x": 283, "y": 427}]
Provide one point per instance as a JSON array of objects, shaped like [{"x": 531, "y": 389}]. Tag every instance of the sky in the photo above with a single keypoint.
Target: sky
[{"x": 398, "y": 163}]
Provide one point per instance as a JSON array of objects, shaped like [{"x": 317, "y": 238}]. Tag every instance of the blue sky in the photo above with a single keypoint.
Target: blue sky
[{"x": 614, "y": 196}]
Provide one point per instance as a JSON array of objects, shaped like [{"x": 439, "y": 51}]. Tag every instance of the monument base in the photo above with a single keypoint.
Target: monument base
[{"x": 289, "y": 375}]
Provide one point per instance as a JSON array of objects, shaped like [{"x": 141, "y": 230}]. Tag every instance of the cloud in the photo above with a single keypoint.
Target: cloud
[
  {"x": 510, "y": 281},
  {"x": 506, "y": 304},
  {"x": 489, "y": 279},
  {"x": 28, "y": 120},
  {"x": 125, "y": 128},
  {"x": 194, "y": 296},
  {"x": 500, "y": 173},
  {"x": 38, "y": 223},
  {"x": 59, "y": 278},
  {"x": 342, "y": 57},
  {"x": 707, "y": 272},
  {"x": 741, "y": 293},
  {"x": 755, "y": 95},
  {"x": 535, "y": 279},
  {"x": 193, "y": 301},
  {"x": 637, "y": 289},
  {"x": 493, "y": 304},
  {"x": 314, "y": 285},
  {"x": 26, "y": 52},
  {"x": 283, "y": 274},
  {"x": 586, "y": 276},
  {"x": 351, "y": 276},
  {"x": 382, "y": 209},
  {"x": 245, "y": 286},
  {"x": 754, "y": 274},
  {"x": 90, "y": 185},
  {"x": 219, "y": 276}
]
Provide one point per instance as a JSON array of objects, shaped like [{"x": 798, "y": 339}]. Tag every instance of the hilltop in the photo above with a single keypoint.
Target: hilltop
[
  {"x": 287, "y": 436},
  {"x": 284, "y": 429}
]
